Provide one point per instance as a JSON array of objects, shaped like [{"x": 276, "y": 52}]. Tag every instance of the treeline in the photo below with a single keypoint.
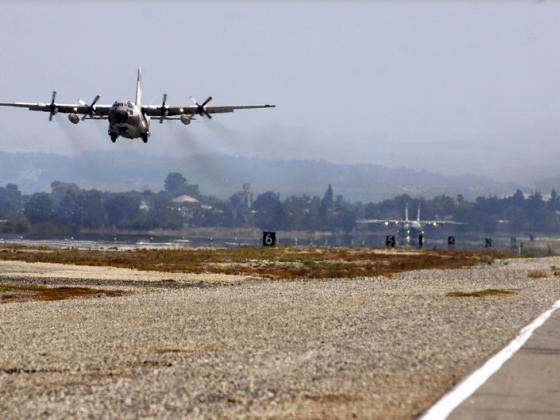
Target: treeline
[{"x": 67, "y": 208}]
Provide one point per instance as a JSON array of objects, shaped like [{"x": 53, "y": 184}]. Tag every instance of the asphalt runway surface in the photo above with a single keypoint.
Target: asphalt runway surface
[{"x": 527, "y": 386}]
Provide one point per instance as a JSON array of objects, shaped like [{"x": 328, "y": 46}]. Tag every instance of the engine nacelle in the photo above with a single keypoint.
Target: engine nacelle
[
  {"x": 73, "y": 118},
  {"x": 186, "y": 119}
]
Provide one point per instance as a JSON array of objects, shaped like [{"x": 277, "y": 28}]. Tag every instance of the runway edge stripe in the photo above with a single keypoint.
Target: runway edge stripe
[{"x": 452, "y": 399}]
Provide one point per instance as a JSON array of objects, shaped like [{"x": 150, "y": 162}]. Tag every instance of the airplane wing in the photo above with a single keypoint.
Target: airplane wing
[
  {"x": 385, "y": 222},
  {"x": 203, "y": 109},
  {"x": 442, "y": 222},
  {"x": 91, "y": 110},
  {"x": 62, "y": 108}
]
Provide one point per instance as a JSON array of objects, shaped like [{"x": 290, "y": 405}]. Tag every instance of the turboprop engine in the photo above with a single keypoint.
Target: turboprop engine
[
  {"x": 73, "y": 118},
  {"x": 186, "y": 119}
]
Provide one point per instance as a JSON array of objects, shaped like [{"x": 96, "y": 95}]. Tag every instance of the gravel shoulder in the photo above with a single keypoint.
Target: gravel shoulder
[{"x": 372, "y": 347}]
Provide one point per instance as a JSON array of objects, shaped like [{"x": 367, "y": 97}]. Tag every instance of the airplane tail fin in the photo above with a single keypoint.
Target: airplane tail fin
[
  {"x": 406, "y": 212},
  {"x": 418, "y": 213},
  {"x": 139, "y": 87}
]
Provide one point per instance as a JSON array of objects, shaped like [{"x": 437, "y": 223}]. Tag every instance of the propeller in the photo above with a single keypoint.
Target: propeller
[
  {"x": 90, "y": 108},
  {"x": 163, "y": 109},
  {"x": 53, "y": 109},
  {"x": 201, "y": 109}
]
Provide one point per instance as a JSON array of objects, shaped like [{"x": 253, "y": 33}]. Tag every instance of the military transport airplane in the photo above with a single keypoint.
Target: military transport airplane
[
  {"x": 130, "y": 119},
  {"x": 410, "y": 229}
]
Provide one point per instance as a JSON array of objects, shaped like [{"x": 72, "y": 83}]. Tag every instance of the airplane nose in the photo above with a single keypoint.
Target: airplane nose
[{"x": 121, "y": 116}]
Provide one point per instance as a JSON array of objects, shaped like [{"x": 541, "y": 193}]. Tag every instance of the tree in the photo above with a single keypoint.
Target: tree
[
  {"x": 164, "y": 216},
  {"x": 91, "y": 210},
  {"x": 67, "y": 211},
  {"x": 554, "y": 200},
  {"x": 122, "y": 209},
  {"x": 326, "y": 205},
  {"x": 269, "y": 211},
  {"x": 10, "y": 200},
  {"x": 176, "y": 184},
  {"x": 39, "y": 208}
]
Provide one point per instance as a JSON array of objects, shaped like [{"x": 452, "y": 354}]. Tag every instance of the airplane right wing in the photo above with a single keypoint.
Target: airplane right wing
[
  {"x": 88, "y": 111},
  {"x": 385, "y": 222}
]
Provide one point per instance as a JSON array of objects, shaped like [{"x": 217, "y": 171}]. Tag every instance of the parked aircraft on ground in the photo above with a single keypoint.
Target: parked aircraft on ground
[
  {"x": 130, "y": 119},
  {"x": 409, "y": 230}
]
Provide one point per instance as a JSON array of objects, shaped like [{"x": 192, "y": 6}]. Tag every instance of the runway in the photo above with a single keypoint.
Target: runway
[{"x": 527, "y": 386}]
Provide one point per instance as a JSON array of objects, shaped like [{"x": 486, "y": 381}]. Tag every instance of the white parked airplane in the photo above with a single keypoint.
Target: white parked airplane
[
  {"x": 408, "y": 229},
  {"x": 130, "y": 119}
]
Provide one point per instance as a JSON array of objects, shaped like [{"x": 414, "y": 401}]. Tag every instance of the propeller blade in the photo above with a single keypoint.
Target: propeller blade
[
  {"x": 163, "y": 109},
  {"x": 91, "y": 108},
  {"x": 52, "y": 106},
  {"x": 206, "y": 101},
  {"x": 207, "y": 114}
]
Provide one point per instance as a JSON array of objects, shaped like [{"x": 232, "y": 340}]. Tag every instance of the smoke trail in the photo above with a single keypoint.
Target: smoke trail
[
  {"x": 72, "y": 137},
  {"x": 183, "y": 139}
]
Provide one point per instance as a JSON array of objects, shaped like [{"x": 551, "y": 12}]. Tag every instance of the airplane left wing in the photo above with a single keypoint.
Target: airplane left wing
[
  {"x": 203, "y": 109},
  {"x": 442, "y": 222}
]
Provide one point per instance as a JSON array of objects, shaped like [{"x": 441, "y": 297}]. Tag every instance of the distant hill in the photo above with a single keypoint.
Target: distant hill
[{"x": 222, "y": 175}]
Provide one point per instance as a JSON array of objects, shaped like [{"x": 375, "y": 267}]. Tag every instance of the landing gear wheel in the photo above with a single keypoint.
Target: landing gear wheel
[
  {"x": 144, "y": 138},
  {"x": 113, "y": 137}
]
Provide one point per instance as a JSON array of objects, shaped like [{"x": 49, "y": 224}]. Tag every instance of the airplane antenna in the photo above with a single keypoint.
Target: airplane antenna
[{"x": 139, "y": 87}]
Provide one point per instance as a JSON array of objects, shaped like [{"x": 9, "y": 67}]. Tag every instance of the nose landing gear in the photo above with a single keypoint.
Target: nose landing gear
[
  {"x": 113, "y": 137},
  {"x": 144, "y": 137}
]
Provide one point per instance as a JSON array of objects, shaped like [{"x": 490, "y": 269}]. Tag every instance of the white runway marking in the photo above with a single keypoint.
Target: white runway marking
[{"x": 467, "y": 387}]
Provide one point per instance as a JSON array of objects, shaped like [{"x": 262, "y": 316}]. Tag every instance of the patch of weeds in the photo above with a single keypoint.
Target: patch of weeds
[
  {"x": 279, "y": 263},
  {"x": 483, "y": 293},
  {"x": 4, "y": 289},
  {"x": 36, "y": 292},
  {"x": 535, "y": 274}
]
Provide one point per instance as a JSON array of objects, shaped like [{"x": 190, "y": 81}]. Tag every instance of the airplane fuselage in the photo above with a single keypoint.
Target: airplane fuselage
[
  {"x": 126, "y": 119},
  {"x": 410, "y": 231}
]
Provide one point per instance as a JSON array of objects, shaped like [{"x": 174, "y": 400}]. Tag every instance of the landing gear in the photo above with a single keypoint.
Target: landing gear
[
  {"x": 145, "y": 137},
  {"x": 114, "y": 137}
]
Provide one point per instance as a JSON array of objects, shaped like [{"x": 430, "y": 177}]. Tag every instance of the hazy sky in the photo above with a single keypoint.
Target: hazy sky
[{"x": 453, "y": 86}]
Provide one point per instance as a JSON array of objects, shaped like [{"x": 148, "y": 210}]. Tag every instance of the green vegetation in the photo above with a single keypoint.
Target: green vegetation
[
  {"x": 67, "y": 209},
  {"x": 483, "y": 293}
]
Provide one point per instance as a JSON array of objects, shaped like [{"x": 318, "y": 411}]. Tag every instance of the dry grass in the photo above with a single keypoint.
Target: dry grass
[
  {"x": 536, "y": 274},
  {"x": 483, "y": 293},
  {"x": 274, "y": 263},
  {"x": 23, "y": 293}
]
